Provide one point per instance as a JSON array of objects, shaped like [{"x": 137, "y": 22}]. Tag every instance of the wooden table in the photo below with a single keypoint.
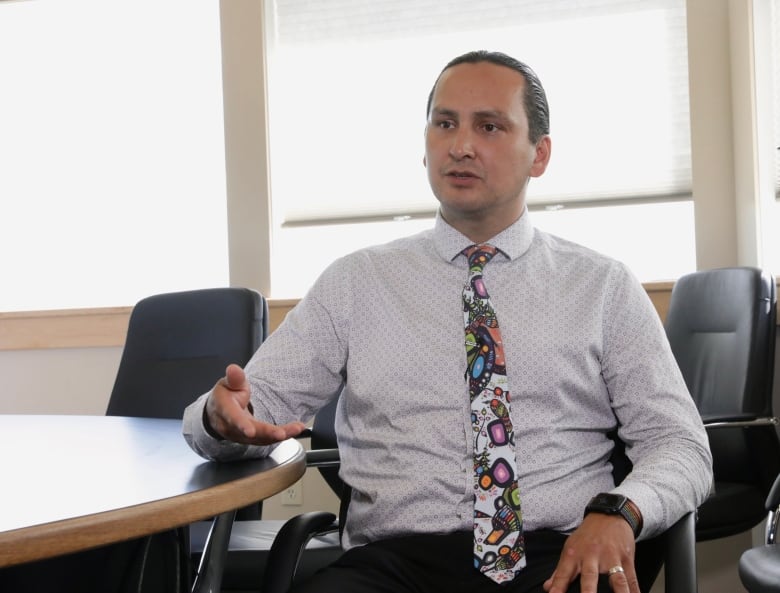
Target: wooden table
[{"x": 71, "y": 483}]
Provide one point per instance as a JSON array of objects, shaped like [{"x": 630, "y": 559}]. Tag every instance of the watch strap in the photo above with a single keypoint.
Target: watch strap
[{"x": 631, "y": 513}]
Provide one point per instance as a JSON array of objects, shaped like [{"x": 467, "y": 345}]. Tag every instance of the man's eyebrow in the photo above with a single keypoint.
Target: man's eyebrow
[
  {"x": 492, "y": 114},
  {"x": 482, "y": 114},
  {"x": 443, "y": 112}
]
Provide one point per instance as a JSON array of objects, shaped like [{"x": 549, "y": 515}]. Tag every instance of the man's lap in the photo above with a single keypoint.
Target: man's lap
[{"x": 428, "y": 563}]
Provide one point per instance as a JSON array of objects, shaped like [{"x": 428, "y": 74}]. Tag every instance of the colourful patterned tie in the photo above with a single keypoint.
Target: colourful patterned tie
[{"x": 499, "y": 550}]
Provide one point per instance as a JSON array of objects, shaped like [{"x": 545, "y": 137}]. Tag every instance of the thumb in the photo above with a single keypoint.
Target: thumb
[{"x": 235, "y": 378}]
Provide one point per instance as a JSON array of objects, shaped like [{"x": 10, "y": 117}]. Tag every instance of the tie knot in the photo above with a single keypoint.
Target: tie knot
[{"x": 479, "y": 255}]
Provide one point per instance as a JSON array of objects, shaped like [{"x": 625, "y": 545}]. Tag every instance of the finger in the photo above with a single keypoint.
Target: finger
[
  {"x": 618, "y": 582},
  {"x": 557, "y": 583},
  {"x": 589, "y": 578},
  {"x": 293, "y": 429},
  {"x": 228, "y": 412},
  {"x": 237, "y": 413},
  {"x": 270, "y": 433},
  {"x": 263, "y": 433},
  {"x": 632, "y": 582},
  {"x": 565, "y": 572},
  {"x": 229, "y": 405}
]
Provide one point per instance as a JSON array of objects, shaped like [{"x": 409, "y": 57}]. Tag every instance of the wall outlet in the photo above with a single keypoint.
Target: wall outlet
[{"x": 293, "y": 496}]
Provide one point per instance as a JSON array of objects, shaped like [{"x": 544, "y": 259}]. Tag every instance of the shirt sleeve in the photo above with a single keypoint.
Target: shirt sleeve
[
  {"x": 298, "y": 369},
  {"x": 658, "y": 420}
]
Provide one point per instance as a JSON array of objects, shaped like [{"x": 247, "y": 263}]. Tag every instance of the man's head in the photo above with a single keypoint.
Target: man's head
[
  {"x": 534, "y": 100},
  {"x": 480, "y": 146}
]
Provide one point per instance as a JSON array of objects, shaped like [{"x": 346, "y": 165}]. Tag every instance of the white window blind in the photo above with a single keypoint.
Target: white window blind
[{"x": 348, "y": 81}]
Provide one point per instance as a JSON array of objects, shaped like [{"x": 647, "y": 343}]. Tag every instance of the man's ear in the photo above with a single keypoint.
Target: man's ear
[
  {"x": 542, "y": 156},
  {"x": 425, "y": 135}
]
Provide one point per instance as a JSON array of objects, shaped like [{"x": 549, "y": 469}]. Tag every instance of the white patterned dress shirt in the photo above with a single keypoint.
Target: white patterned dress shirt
[{"x": 585, "y": 353}]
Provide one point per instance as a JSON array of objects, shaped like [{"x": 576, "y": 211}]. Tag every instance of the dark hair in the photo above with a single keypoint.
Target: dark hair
[{"x": 535, "y": 99}]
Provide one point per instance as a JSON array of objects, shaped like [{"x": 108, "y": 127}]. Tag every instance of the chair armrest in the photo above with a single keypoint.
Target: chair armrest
[
  {"x": 323, "y": 458},
  {"x": 772, "y": 505},
  {"x": 773, "y": 499},
  {"x": 680, "y": 556},
  {"x": 212, "y": 561},
  {"x": 288, "y": 545},
  {"x": 759, "y": 568},
  {"x": 738, "y": 420}
]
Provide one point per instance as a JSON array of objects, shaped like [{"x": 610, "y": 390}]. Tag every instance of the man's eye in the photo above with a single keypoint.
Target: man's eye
[
  {"x": 490, "y": 127},
  {"x": 445, "y": 125}
]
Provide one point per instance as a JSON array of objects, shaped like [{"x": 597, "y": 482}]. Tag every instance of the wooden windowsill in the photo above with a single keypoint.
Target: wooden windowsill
[
  {"x": 107, "y": 327},
  {"x": 85, "y": 328},
  {"x": 67, "y": 328}
]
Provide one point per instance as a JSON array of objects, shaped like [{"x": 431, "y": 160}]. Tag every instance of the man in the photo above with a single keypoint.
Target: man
[{"x": 462, "y": 485}]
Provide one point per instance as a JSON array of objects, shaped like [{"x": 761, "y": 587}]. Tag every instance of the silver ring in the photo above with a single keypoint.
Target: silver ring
[{"x": 615, "y": 570}]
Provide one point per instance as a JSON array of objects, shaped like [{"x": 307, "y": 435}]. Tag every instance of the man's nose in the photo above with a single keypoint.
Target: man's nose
[{"x": 462, "y": 146}]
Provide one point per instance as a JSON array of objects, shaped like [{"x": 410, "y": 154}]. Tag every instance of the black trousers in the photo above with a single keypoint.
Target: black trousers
[{"x": 436, "y": 563}]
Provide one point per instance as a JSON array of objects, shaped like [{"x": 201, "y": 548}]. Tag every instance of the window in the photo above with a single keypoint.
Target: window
[
  {"x": 775, "y": 7},
  {"x": 773, "y": 259},
  {"x": 348, "y": 83},
  {"x": 112, "y": 176}
]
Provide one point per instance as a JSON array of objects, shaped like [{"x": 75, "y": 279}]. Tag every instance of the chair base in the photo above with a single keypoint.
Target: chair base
[
  {"x": 247, "y": 558},
  {"x": 759, "y": 569}
]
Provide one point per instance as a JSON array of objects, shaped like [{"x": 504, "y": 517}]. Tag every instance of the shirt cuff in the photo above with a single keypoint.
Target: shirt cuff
[{"x": 648, "y": 503}]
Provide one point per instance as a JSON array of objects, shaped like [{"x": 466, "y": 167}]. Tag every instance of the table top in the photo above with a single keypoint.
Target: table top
[{"x": 74, "y": 482}]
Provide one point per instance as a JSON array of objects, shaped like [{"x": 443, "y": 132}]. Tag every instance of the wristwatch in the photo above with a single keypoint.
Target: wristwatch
[{"x": 616, "y": 504}]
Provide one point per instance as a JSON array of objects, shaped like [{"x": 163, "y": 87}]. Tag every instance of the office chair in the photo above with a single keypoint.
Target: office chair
[
  {"x": 721, "y": 325},
  {"x": 251, "y": 541},
  {"x": 674, "y": 549},
  {"x": 178, "y": 345},
  {"x": 759, "y": 567}
]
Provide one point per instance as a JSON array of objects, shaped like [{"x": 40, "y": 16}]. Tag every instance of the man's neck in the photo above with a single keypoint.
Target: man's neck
[{"x": 480, "y": 230}]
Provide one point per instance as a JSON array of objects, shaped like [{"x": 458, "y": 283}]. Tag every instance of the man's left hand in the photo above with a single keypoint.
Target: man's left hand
[{"x": 600, "y": 543}]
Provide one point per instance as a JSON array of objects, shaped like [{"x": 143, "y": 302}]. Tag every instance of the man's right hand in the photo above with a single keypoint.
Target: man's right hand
[{"x": 229, "y": 413}]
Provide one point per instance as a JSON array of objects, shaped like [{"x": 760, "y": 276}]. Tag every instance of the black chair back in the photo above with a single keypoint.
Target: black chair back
[
  {"x": 179, "y": 344},
  {"x": 721, "y": 326}
]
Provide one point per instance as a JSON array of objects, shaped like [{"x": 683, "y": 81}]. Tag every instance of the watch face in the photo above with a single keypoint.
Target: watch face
[
  {"x": 608, "y": 502},
  {"x": 614, "y": 504}
]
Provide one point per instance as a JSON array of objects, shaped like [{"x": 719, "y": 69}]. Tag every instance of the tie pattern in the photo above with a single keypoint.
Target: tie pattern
[{"x": 499, "y": 550}]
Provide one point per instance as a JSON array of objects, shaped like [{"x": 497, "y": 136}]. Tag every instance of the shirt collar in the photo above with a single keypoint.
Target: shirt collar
[{"x": 513, "y": 241}]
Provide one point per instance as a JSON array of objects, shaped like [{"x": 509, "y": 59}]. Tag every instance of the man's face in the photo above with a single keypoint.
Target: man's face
[{"x": 477, "y": 151}]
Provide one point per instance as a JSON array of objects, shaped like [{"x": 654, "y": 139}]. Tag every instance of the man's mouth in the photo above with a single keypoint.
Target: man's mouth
[{"x": 461, "y": 174}]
